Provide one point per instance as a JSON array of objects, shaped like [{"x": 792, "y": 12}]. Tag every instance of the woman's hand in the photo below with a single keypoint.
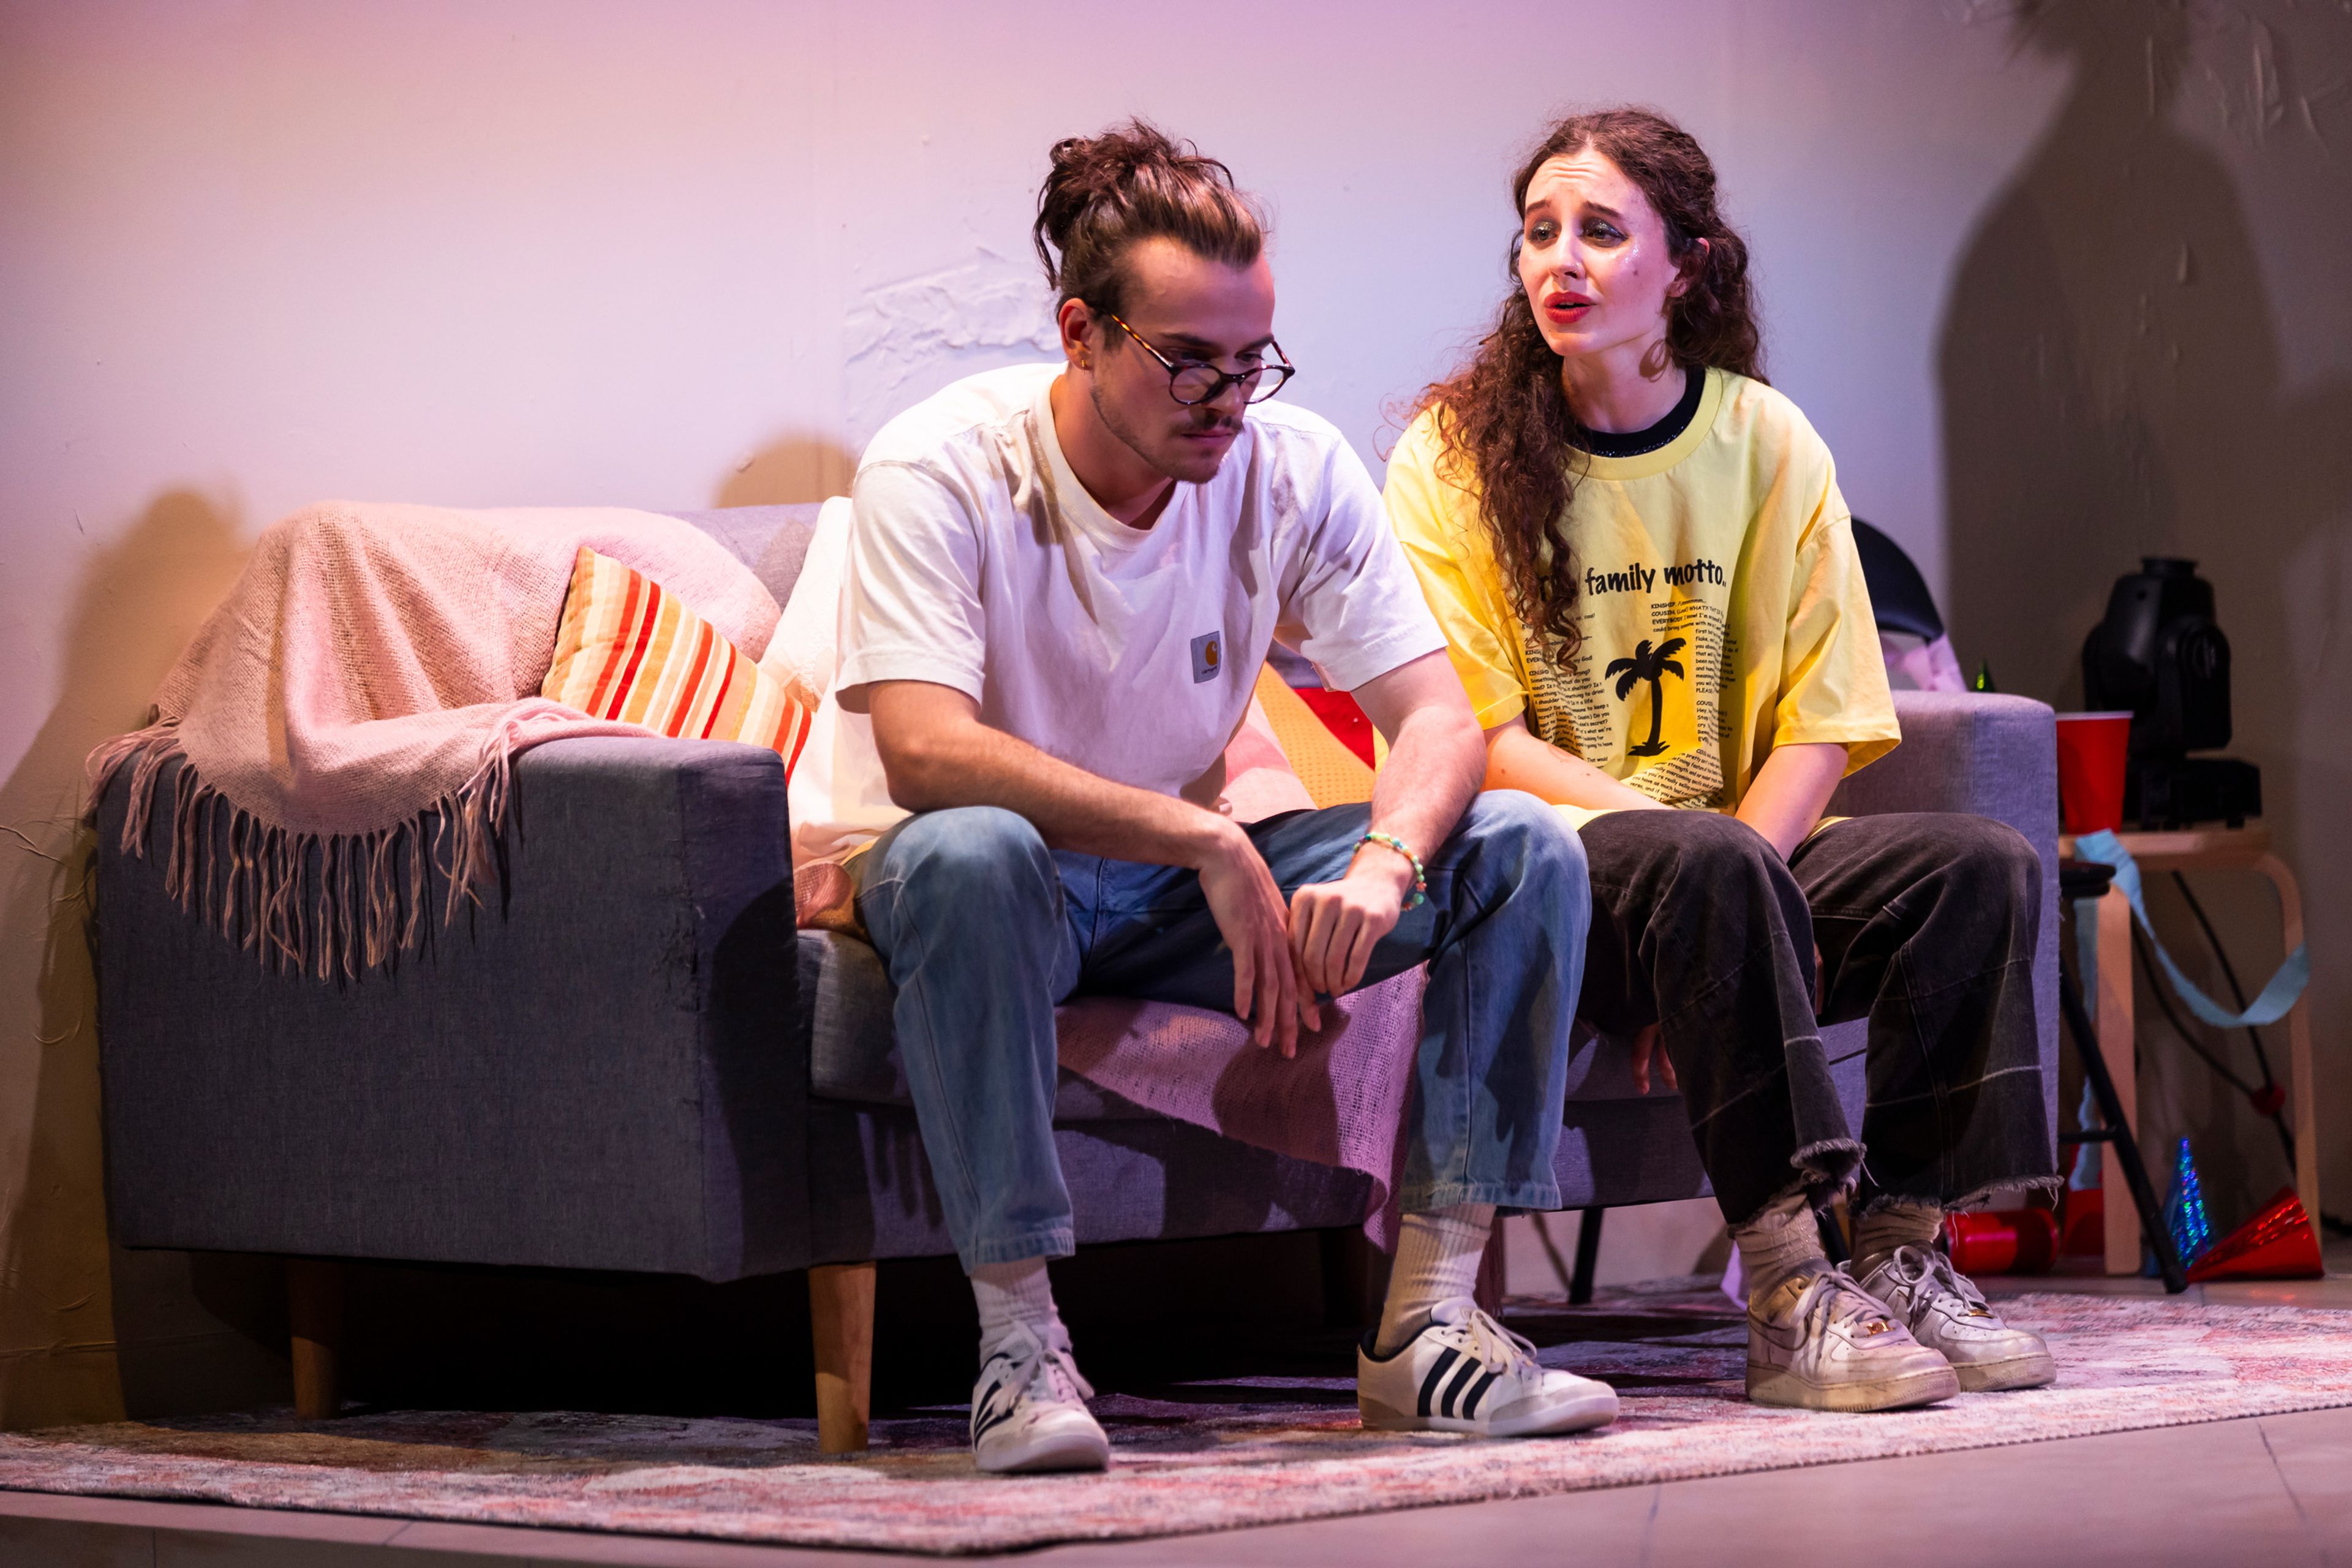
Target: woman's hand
[
  {"x": 1786, "y": 798},
  {"x": 1646, "y": 1048}
]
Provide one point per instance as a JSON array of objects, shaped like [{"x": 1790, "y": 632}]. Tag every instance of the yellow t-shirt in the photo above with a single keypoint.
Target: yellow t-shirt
[{"x": 1721, "y": 603}]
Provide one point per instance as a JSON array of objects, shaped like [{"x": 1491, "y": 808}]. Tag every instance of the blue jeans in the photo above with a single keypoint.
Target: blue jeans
[{"x": 983, "y": 930}]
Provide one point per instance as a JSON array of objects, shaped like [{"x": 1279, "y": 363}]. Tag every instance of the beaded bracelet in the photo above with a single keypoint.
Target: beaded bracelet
[{"x": 1420, "y": 877}]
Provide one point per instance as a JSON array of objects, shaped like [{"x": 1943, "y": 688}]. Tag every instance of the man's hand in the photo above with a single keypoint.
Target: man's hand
[
  {"x": 1334, "y": 926},
  {"x": 1247, "y": 907},
  {"x": 1645, "y": 1049},
  {"x": 1435, "y": 760}
]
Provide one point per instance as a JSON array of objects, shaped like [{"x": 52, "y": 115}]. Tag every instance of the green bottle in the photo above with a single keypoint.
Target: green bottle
[{"x": 1983, "y": 682}]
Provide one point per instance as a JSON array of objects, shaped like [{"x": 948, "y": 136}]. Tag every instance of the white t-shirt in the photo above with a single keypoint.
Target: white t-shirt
[{"x": 977, "y": 561}]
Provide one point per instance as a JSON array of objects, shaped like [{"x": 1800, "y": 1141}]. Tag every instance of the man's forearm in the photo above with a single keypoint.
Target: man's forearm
[
  {"x": 1434, "y": 766},
  {"x": 943, "y": 756},
  {"x": 1436, "y": 756}
]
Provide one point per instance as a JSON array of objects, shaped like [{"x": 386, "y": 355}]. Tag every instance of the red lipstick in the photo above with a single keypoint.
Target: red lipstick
[{"x": 1566, "y": 308}]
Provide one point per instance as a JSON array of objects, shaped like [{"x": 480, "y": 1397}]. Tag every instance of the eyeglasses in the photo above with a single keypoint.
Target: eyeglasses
[{"x": 1191, "y": 382}]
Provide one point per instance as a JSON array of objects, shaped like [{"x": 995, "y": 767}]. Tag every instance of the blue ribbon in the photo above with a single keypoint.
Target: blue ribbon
[{"x": 2277, "y": 998}]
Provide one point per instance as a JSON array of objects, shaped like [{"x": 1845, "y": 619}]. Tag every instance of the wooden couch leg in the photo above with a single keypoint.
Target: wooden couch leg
[
  {"x": 841, "y": 1321},
  {"x": 314, "y": 1291}
]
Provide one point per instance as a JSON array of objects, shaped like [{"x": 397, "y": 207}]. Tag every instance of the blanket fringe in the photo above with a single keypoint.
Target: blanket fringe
[{"x": 323, "y": 904}]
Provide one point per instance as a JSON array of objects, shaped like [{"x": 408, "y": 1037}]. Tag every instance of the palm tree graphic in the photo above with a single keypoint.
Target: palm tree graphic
[{"x": 1651, "y": 665}]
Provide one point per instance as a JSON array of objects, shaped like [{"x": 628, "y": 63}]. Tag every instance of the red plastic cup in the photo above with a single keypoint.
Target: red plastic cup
[
  {"x": 2091, "y": 751},
  {"x": 2085, "y": 1233},
  {"x": 2007, "y": 1241}
]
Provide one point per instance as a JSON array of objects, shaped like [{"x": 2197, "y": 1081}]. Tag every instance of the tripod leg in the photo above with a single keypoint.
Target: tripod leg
[{"x": 2111, "y": 1112}]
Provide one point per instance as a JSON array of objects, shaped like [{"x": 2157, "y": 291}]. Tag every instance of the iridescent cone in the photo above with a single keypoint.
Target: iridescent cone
[
  {"x": 2184, "y": 1214},
  {"x": 2277, "y": 1244}
]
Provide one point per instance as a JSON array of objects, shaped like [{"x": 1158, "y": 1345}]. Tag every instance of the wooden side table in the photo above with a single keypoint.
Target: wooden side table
[{"x": 2194, "y": 849}]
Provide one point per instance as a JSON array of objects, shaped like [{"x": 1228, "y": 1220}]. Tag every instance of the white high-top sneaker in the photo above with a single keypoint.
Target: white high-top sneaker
[
  {"x": 1818, "y": 1342},
  {"x": 1466, "y": 1373},
  {"x": 1029, "y": 1410},
  {"x": 1944, "y": 1310}
]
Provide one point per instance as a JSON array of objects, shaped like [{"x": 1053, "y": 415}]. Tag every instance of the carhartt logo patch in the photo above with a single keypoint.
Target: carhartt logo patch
[{"x": 1208, "y": 657}]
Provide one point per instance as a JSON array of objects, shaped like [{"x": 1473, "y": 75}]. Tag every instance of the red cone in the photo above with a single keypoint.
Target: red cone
[{"x": 2277, "y": 1244}]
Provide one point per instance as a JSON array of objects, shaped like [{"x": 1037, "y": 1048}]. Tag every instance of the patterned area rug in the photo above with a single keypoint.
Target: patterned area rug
[{"x": 1195, "y": 1456}]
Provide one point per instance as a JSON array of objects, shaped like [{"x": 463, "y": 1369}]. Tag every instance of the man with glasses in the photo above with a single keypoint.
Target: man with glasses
[{"x": 1062, "y": 580}]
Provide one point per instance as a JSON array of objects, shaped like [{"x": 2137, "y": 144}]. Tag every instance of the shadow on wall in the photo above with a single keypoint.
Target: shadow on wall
[
  {"x": 2112, "y": 386},
  {"x": 2111, "y": 376},
  {"x": 66, "y": 1314},
  {"x": 788, "y": 471}
]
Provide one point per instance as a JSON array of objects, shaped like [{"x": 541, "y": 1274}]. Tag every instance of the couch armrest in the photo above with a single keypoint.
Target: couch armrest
[
  {"x": 1965, "y": 751},
  {"x": 593, "y": 1072}
]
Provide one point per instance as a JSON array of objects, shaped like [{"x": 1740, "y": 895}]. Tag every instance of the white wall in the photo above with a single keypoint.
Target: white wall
[{"x": 254, "y": 254}]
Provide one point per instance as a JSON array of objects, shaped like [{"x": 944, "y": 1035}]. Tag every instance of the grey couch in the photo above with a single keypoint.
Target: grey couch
[{"x": 635, "y": 1063}]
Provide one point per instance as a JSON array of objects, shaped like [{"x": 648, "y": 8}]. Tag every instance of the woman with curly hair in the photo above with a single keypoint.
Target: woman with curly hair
[{"x": 1647, "y": 578}]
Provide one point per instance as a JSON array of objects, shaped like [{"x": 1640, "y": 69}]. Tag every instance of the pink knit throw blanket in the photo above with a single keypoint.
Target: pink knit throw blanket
[{"x": 353, "y": 709}]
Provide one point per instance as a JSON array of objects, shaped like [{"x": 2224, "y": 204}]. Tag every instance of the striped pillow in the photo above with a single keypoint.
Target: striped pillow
[
  {"x": 1328, "y": 766},
  {"x": 629, "y": 650}
]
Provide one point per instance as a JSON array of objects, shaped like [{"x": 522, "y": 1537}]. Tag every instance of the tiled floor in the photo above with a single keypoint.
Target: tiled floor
[{"x": 2276, "y": 1490}]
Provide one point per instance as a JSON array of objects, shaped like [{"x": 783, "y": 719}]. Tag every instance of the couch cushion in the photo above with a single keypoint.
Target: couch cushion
[
  {"x": 845, "y": 1001},
  {"x": 773, "y": 541}
]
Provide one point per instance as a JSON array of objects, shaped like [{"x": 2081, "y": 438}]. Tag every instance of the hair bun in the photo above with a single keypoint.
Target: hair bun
[{"x": 1132, "y": 182}]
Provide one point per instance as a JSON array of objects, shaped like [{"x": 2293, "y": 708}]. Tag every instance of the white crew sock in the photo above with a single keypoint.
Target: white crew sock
[
  {"x": 1009, "y": 1293},
  {"x": 1436, "y": 1261},
  {"x": 1890, "y": 1225},
  {"x": 1776, "y": 1243}
]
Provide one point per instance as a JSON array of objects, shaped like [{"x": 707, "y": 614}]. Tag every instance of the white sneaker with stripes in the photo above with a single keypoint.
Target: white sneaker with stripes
[
  {"x": 1466, "y": 1373},
  {"x": 1029, "y": 1408}
]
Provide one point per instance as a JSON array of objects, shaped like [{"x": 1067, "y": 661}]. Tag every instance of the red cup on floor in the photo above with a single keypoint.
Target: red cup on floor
[
  {"x": 2091, "y": 751},
  {"x": 2007, "y": 1241},
  {"x": 2083, "y": 1232}
]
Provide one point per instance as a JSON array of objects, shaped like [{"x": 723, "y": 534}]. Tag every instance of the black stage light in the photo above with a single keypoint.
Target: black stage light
[{"x": 2160, "y": 654}]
